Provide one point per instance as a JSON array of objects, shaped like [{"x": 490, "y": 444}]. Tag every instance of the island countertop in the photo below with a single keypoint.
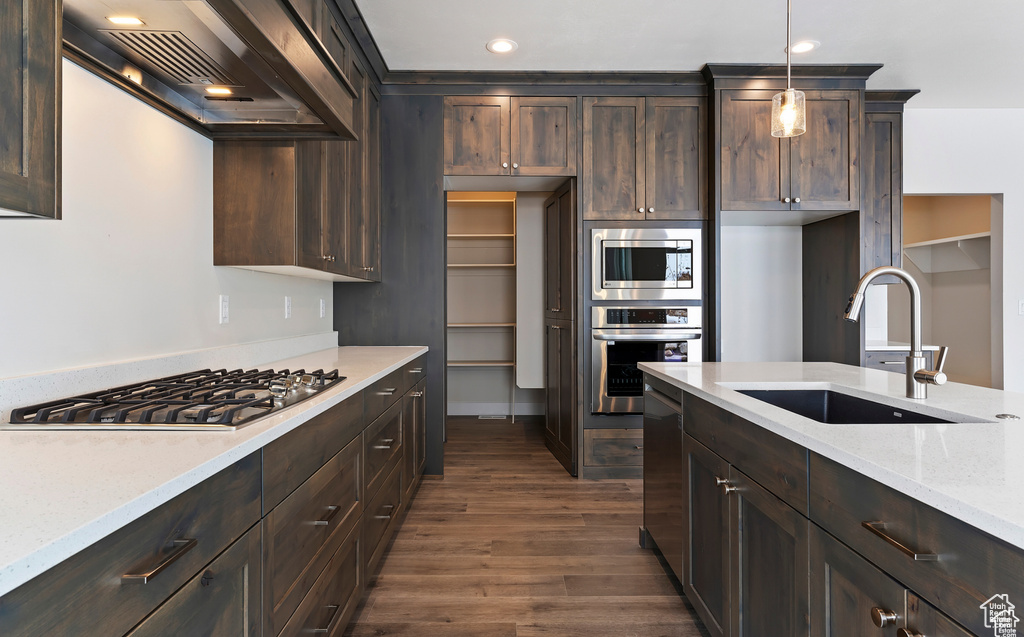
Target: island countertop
[
  {"x": 64, "y": 490},
  {"x": 972, "y": 471}
]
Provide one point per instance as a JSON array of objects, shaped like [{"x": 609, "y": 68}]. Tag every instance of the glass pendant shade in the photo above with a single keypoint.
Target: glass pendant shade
[{"x": 789, "y": 114}]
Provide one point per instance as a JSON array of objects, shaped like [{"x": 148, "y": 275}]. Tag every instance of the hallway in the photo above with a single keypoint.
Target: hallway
[{"x": 509, "y": 545}]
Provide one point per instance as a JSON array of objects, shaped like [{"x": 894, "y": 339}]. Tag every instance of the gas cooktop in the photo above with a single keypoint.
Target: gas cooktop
[{"x": 204, "y": 400}]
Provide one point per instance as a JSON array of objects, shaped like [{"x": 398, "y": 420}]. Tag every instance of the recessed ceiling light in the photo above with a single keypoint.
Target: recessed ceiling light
[
  {"x": 218, "y": 90},
  {"x": 805, "y": 45},
  {"x": 502, "y": 45},
  {"x": 126, "y": 21}
]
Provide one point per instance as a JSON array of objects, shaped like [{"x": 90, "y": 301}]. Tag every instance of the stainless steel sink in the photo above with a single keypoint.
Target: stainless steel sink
[{"x": 835, "y": 408}]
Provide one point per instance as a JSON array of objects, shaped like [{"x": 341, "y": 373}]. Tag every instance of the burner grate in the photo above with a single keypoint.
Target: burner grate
[{"x": 203, "y": 399}]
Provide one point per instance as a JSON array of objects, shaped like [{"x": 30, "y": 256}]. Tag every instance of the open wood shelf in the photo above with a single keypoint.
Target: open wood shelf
[
  {"x": 481, "y": 265},
  {"x": 952, "y": 254},
  {"x": 482, "y": 236},
  {"x": 471, "y": 325},
  {"x": 481, "y": 363}
]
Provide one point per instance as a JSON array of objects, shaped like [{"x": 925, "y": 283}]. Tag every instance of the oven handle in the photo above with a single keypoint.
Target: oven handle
[{"x": 657, "y": 337}]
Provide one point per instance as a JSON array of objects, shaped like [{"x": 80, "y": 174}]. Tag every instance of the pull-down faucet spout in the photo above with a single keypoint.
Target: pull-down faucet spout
[{"x": 918, "y": 378}]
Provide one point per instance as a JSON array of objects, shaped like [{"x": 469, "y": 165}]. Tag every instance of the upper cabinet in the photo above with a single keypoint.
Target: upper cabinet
[
  {"x": 644, "y": 158},
  {"x": 524, "y": 136},
  {"x": 818, "y": 170},
  {"x": 30, "y": 35}
]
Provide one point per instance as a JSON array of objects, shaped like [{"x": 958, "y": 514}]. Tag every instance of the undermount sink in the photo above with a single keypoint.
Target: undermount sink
[{"x": 835, "y": 408}]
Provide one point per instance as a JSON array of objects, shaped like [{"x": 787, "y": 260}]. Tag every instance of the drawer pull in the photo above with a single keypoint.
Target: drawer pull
[
  {"x": 883, "y": 618},
  {"x": 416, "y": 370},
  {"x": 386, "y": 507},
  {"x": 388, "y": 391},
  {"x": 181, "y": 547},
  {"x": 638, "y": 447},
  {"x": 903, "y": 632},
  {"x": 332, "y": 511},
  {"x": 878, "y": 528},
  {"x": 330, "y": 623},
  {"x": 386, "y": 443}
]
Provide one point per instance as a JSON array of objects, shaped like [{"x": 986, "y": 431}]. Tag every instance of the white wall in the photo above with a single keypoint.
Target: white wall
[
  {"x": 128, "y": 271},
  {"x": 948, "y": 151},
  {"x": 762, "y": 315},
  {"x": 530, "y": 289}
]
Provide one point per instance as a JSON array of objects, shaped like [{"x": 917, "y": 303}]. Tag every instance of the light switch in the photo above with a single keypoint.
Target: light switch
[
  {"x": 222, "y": 305},
  {"x": 287, "y": 307}
]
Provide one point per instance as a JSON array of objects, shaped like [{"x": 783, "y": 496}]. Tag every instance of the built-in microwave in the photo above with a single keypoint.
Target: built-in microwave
[{"x": 646, "y": 264}]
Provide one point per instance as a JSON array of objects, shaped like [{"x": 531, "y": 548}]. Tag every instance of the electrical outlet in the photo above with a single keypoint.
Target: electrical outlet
[
  {"x": 222, "y": 306},
  {"x": 287, "y": 307},
  {"x": 323, "y": 308}
]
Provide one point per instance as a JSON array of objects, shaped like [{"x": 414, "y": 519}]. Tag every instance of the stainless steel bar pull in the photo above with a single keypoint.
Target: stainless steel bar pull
[
  {"x": 181, "y": 547},
  {"x": 878, "y": 528}
]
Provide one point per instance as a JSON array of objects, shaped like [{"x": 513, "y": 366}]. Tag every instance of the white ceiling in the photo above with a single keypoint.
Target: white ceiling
[{"x": 960, "y": 53}]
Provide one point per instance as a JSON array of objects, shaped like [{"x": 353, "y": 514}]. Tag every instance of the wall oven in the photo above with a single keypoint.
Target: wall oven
[
  {"x": 621, "y": 337},
  {"x": 646, "y": 264}
]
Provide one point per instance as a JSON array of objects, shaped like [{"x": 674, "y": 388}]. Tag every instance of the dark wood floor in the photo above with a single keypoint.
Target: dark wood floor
[{"x": 510, "y": 545}]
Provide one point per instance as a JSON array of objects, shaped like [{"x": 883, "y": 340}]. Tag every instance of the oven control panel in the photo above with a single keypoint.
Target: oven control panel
[{"x": 647, "y": 316}]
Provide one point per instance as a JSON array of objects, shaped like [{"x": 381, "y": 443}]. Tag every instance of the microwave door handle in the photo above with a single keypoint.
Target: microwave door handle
[{"x": 660, "y": 337}]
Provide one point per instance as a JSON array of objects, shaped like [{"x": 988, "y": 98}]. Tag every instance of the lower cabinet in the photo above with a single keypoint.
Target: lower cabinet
[
  {"x": 747, "y": 552},
  {"x": 663, "y": 472}
]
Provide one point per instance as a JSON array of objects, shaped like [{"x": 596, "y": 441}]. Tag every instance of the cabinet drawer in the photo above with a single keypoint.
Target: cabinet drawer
[
  {"x": 925, "y": 619},
  {"x": 86, "y": 595},
  {"x": 292, "y": 458},
  {"x": 413, "y": 373},
  {"x": 968, "y": 566},
  {"x": 334, "y": 596},
  {"x": 304, "y": 531},
  {"x": 772, "y": 461},
  {"x": 378, "y": 517},
  {"x": 223, "y": 599},
  {"x": 614, "y": 447},
  {"x": 382, "y": 441},
  {"x": 383, "y": 393}
]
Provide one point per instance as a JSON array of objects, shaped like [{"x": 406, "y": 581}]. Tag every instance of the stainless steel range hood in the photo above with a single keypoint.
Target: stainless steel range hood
[{"x": 281, "y": 79}]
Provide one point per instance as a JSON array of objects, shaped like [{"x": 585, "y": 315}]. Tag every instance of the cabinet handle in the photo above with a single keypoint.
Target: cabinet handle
[
  {"x": 416, "y": 394},
  {"x": 878, "y": 528},
  {"x": 181, "y": 547},
  {"x": 796, "y": 200},
  {"x": 786, "y": 200},
  {"x": 416, "y": 370},
  {"x": 504, "y": 164},
  {"x": 367, "y": 269},
  {"x": 650, "y": 210},
  {"x": 638, "y": 447},
  {"x": 515, "y": 165},
  {"x": 387, "y": 444},
  {"x": 332, "y": 511},
  {"x": 387, "y": 391},
  {"x": 330, "y": 622},
  {"x": 640, "y": 210},
  {"x": 883, "y": 618},
  {"x": 724, "y": 483},
  {"x": 386, "y": 507},
  {"x": 903, "y": 632}
]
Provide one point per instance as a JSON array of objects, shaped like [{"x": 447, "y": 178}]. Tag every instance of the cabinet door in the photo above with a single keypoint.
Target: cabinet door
[
  {"x": 543, "y": 135},
  {"x": 614, "y": 152},
  {"x": 882, "y": 206},
  {"x": 420, "y": 428},
  {"x": 824, "y": 161},
  {"x": 675, "y": 158},
  {"x": 477, "y": 135},
  {"x": 355, "y": 164},
  {"x": 336, "y": 206},
  {"x": 768, "y": 538},
  {"x": 706, "y": 579},
  {"x": 560, "y": 253},
  {"x": 223, "y": 599},
  {"x": 30, "y": 41},
  {"x": 663, "y": 476},
  {"x": 560, "y": 434},
  {"x": 846, "y": 590},
  {"x": 754, "y": 168},
  {"x": 371, "y": 189},
  {"x": 924, "y": 620}
]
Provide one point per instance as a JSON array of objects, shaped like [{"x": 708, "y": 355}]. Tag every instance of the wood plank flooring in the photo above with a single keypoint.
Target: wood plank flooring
[{"x": 510, "y": 545}]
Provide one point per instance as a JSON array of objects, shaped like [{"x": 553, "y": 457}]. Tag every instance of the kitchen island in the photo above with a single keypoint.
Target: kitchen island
[
  {"x": 931, "y": 513},
  {"x": 66, "y": 491}
]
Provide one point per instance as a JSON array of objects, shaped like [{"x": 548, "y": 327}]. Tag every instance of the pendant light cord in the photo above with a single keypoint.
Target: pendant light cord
[{"x": 789, "y": 41}]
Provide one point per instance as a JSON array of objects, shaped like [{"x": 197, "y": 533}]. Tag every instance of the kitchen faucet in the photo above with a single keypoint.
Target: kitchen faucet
[{"x": 918, "y": 378}]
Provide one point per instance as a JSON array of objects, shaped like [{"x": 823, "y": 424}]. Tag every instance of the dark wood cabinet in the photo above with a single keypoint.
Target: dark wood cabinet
[
  {"x": 560, "y": 430},
  {"x": 223, "y": 599},
  {"x": 560, "y": 253},
  {"x": 846, "y": 591},
  {"x": 526, "y": 136},
  {"x": 362, "y": 213},
  {"x": 644, "y": 158},
  {"x": 414, "y": 437},
  {"x": 706, "y": 554},
  {"x": 819, "y": 170},
  {"x": 30, "y": 45},
  {"x": 664, "y": 512}
]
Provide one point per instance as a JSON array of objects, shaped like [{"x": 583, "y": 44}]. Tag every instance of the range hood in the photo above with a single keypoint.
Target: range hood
[{"x": 276, "y": 78}]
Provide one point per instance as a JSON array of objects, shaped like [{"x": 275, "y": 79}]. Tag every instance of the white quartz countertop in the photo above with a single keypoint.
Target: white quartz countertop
[
  {"x": 64, "y": 490},
  {"x": 972, "y": 471}
]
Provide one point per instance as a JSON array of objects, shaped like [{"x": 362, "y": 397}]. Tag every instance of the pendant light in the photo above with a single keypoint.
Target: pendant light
[{"x": 789, "y": 114}]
